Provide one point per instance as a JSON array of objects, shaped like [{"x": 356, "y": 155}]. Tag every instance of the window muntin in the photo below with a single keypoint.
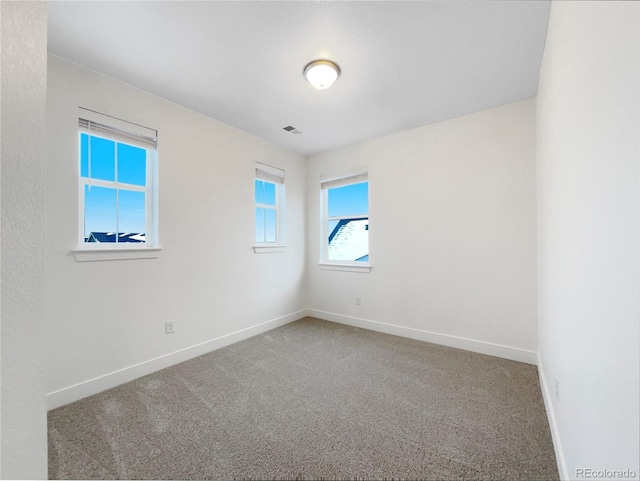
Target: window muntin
[
  {"x": 117, "y": 191},
  {"x": 346, "y": 220},
  {"x": 269, "y": 205}
]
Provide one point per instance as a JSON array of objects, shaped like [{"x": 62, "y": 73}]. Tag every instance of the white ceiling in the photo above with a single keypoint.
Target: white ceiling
[{"x": 404, "y": 64}]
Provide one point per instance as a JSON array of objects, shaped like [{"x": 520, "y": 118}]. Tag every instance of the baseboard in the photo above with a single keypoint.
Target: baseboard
[
  {"x": 482, "y": 347},
  {"x": 107, "y": 381},
  {"x": 555, "y": 433}
]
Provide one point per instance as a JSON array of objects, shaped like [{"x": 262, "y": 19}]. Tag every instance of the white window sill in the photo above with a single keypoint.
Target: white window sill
[
  {"x": 90, "y": 255},
  {"x": 268, "y": 249},
  {"x": 360, "y": 267}
]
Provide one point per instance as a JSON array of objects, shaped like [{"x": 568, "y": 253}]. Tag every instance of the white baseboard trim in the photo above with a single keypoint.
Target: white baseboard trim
[
  {"x": 555, "y": 433},
  {"x": 110, "y": 380},
  {"x": 482, "y": 347}
]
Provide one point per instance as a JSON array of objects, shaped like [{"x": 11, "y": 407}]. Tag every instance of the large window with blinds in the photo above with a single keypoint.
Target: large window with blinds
[
  {"x": 345, "y": 219},
  {"x": 269, "y": 205},
  {"x": 117, "y": 187}
]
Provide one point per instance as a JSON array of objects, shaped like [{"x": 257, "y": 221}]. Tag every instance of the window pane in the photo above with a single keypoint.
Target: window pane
[
  {"x": 101, "y": 155},
  {"x": 270, "y": 225},
  {"x": 349, "y": 200},
  {"x": 259, "y": 191},
  {"x": 260, "y": 230},
  {"x": 99, "y": 214},
  {"x": 349, "y": 240},
  {"x": 269, "y": 193},
  {"x": 131, "y": 216},
  {"x": 132, "y": 165},
  {"x": 84, "y": 155}
]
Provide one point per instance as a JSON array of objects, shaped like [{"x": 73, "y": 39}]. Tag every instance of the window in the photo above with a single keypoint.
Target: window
[
  {"x": 345, "y": 220},
  {"x": 117, "y": 189},
  {"x": 269, "y": 199}
]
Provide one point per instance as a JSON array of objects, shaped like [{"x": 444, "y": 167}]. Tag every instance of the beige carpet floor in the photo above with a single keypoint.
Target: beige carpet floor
[{"x": 313, "y": 400}]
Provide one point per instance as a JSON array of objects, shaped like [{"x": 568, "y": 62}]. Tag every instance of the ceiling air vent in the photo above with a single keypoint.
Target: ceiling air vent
[{"x": 292, "y": 129}]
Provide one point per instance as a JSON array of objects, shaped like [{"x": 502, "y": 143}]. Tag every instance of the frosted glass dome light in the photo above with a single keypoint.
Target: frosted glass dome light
[{"x": 322, "y": 73}]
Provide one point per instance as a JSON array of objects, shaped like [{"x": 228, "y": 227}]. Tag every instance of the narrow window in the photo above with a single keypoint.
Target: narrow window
[
  {"x": 117, "y": 190},
  {"x": 345, "y": 219},
  {"x": 269, "y": 205}
]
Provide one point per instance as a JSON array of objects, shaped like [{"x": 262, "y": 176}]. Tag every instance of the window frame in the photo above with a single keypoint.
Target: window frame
[
  {"x": 276, "y": 176},
  {"x": 328, "y": 182},
  {"x": 116, "y": 130}
]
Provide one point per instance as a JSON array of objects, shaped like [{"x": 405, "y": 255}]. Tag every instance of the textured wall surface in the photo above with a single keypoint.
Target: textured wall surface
[
  {"x": 588, "y": 125},
  {"x": 24, "y": 73}
]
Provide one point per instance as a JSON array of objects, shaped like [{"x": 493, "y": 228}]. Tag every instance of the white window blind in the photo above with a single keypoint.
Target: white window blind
[
  {"x": 270, "y": 174},
  {"x": 96, "y": 123},
  {"x": 342, "y": 181},
  {"x": 133, "y": 138}
]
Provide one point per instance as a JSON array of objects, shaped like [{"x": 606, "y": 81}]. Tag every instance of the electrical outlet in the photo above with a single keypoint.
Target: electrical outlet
[
  {"x": 358, "y": 301},
  {"x": 557, "y": 389},
  {"x": 169, "y": 327}
]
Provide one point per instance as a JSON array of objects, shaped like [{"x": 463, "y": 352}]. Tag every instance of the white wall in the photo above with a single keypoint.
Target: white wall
[
  {"x": 109, "y": 316},
  {"x": 452, "y": 234},
  {"x": 589, "y": 234},
  {"x": 23, "y": 446}
]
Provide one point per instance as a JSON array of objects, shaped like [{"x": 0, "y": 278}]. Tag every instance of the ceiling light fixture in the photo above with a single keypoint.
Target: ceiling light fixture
[{"x": 321, "y": 73}]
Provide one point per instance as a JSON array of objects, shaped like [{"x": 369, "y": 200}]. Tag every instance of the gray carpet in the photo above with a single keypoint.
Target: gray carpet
[{"x": 313, "y": 400}]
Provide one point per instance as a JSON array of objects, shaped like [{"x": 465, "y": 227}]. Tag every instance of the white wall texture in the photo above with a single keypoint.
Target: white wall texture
[
  {"x": 588, "y": 144},
  {"x": 105, "y": 317},
  {"x": 23, "y": 439},
  {"x": 452, "y": 234}
]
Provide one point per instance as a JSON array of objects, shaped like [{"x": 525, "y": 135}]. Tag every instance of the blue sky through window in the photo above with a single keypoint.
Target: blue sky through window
[
  {"x": 265, "y": 192},
  {"x": 102, "y": 152},
  {"x": 99, "y": 210},
  {"x": 108, "y": 209},
  {"x": 349, "y": 200},
  {"x": 132, "y": 165}
]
